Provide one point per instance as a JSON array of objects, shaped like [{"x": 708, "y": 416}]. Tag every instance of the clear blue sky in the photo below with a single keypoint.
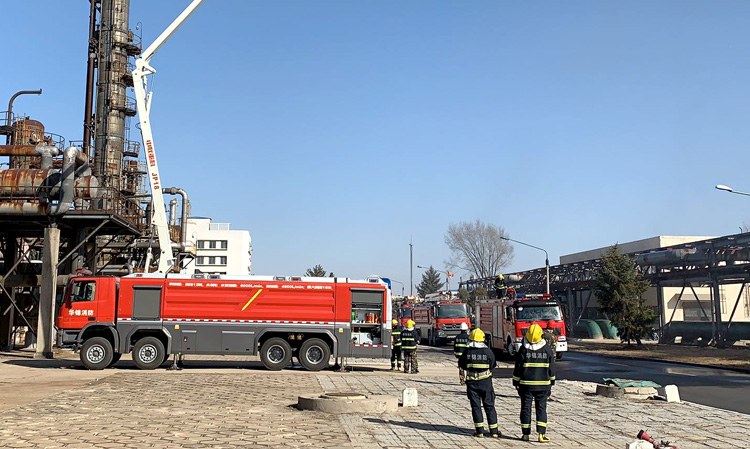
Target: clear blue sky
[{"x": 337, "y": 131}]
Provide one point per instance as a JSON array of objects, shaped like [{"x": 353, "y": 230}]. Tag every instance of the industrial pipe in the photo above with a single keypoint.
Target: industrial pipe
[
  {"x": 185, "y": 207},
  {"x": 31, "y": 150},
  {"x": 9, "y": 116},
  {"x": 47, "y": 152},
  {"x": 67, "y": 184}
]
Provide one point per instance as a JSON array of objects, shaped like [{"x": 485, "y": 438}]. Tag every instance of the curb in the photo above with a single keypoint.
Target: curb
[{"x": 651, "y": 359}]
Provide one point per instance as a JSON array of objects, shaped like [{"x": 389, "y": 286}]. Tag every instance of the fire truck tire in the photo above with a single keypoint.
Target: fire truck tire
[
  {"x": 148, "y": 353},
  {"x": 276, "y": 354},
  {"x": 115, "y": 358},
  {"x": 96, "y": 353},
  {"x": 314, "y": 354}
]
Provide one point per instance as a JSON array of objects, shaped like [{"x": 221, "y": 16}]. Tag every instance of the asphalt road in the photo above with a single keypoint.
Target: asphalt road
[{"x": 718, "y": 388}]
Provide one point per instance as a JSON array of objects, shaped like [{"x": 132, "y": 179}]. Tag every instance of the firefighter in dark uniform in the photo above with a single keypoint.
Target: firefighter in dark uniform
[
  {"x": 396, "y": 345},
  {"x": 459, "y": 346},
  {"x": 409, "y": 348},
  {"x": 533, "y": 376},
  {"x": 478, "y": 361},
  {"x": 500, "y": 286}
]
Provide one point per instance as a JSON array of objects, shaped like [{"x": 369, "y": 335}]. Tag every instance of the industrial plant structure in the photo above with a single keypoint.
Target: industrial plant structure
[{"x": 72, "y": 207}]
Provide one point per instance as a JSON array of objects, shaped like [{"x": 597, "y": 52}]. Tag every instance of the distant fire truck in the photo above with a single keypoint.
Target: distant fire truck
[
  {"x": 155, "y": 315},
  {"x": 506, "y": 321},
  {"x": 440, "y": 321}
]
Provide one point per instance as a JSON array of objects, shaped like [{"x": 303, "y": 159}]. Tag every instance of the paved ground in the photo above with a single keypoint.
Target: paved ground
[{"x": 228, "y": 404}]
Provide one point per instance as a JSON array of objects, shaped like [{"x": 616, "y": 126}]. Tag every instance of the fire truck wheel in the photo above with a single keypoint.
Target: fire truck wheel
[
  {"x": 96, "y": 353},
  {"x": 276, "y": 354},
  {"x": 115, "y": 358},
  {"x": 148, "y": 353},
  {"x": 510, "y": 348},
  {"x": 314, "y": 354}
]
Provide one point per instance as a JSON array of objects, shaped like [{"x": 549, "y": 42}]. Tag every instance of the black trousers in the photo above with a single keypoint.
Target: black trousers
[
  {"x": 396, "y": 356},
  {"x": 539, "y": 397},
  {"x": 481, "y": 394}
]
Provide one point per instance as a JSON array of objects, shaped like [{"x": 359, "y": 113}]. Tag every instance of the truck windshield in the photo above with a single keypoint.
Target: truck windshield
[
  {"x": 453, "y": 311},
  {"x": 406, "y": 313},
  {"x": 538, "y": 313}
]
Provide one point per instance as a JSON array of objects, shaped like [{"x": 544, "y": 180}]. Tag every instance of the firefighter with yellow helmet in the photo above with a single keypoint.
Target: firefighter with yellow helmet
[
  {"x": 533, "y": 377},
  {"x": 409, "y": 348},
  {"x": 395, "y": 345},
  {"x": 478, "y": 361}
]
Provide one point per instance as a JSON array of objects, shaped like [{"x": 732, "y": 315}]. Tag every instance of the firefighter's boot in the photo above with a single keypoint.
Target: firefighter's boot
[
  {"x": 524, "y": 438},
  {"x": 543, "y": 438}
]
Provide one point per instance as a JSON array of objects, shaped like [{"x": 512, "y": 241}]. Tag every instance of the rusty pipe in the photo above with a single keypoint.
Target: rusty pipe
[{"x": 31, "y": 150}]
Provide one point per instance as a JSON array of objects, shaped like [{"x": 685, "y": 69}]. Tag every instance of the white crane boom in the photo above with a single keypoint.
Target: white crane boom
[{"x": 143, "y": 102}]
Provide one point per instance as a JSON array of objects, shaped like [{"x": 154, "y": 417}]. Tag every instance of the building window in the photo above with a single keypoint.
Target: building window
[
  {"x": 222, "y": 260},
  {"x": 223, "y": 243},
  {"x": 201, "y": 244},
  {"x": 723, "y": 298},
  {"x": 691, "y": 311}
]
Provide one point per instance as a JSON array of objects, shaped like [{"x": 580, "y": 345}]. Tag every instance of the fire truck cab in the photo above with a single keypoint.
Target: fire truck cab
[{"x": 505, "y": 322}]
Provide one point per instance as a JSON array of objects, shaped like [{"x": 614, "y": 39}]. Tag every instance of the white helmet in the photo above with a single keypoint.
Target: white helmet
[{"x": 464, "y": 327}]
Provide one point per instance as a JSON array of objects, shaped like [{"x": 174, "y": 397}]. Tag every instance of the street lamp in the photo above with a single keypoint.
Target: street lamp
[
  {"x": 731, "y": 190},
  {"x": 546, "y": 256},
  {"x": 402, "y": 286},
  {"x": 447, "y": 276}
]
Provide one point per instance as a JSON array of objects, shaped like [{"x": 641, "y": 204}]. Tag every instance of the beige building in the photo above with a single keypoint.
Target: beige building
[{"x": 678, "y": 303}]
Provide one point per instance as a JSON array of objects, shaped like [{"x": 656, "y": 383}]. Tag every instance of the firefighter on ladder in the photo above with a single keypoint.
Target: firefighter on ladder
[
  {"x": 396, "y": 346},
  {"x": 409, "y": 348},
  {"x": 459, "y": 346},
  {"x": 533, "y": 377},
  {"x": 478, "y": 361}
]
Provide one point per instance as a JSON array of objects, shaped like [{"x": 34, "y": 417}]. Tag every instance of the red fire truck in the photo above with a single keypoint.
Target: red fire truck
[
  {"x": 155, "y": 315},
  {"x": 505, "y": 322},
  {"x": 438, "y": 322},
  {"x": 405, "y": 313}
]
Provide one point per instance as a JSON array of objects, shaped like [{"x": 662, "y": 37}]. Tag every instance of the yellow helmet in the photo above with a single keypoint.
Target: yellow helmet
[
  {"x": 410, "y": 324},
  {"x": 394, "y": 322},
  {"x": 477, "y": 335},
  {"x": 534, "y": 334},
  {"x": 500, "y": 276}
]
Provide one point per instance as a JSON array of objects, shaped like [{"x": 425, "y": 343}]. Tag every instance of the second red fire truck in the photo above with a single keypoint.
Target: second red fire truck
[
  {"x": 506, "y": 321},
  {"x": 155, "y": 315}
]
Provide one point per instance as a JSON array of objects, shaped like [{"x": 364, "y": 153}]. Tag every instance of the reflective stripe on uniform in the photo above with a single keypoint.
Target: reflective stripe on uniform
[
  {"x": 479, "y": 375},
  {"x": 478, "y": 365},
  {"x": 536, "y": 365},
  {"x": 541, "y": 424},
  {"x": 526, "y": 426},
  {"x": 478, "y": 424},
  {"x": 535, "y": 382},
  {"x": 493, "y": 426}
]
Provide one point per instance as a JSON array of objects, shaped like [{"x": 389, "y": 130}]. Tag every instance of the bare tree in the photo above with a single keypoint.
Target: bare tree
[{"x": 478, "y": 248}]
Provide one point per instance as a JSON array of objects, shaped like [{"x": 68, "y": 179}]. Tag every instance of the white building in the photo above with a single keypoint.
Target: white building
[{"x": 218, "y": 249}]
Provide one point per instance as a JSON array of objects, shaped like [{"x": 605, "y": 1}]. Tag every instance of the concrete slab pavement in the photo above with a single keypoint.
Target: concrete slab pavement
[{"x": 207, "y": 405}]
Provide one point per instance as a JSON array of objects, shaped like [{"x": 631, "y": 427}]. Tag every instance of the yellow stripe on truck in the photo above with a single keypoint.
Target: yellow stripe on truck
[{"x": 252, "y": 299}]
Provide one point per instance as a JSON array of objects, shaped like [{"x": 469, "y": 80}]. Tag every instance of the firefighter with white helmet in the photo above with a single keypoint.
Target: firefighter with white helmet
[
  {"x": 533, "y": 376},
  {"x": 459, "y": 346},
  {"x": 479, "y": 361},
  {"x": 409, "y": 348},
  {"x": 396, "y": 346}
]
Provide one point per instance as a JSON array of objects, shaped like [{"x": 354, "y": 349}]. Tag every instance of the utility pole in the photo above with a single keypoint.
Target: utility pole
[{"x": 411, "y": 269}]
